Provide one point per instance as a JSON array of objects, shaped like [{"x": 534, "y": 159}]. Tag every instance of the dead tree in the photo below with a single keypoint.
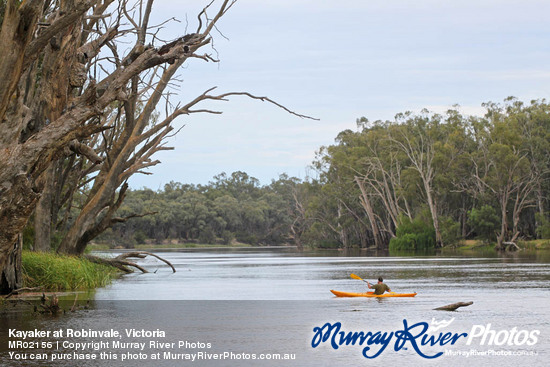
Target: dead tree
[{"x": 56, "y": 108}]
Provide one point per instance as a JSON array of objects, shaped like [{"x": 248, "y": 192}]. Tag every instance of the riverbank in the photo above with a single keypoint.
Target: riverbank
[
  {"x": 535, "y": 244},
  {"x": 470, "y": 245}
]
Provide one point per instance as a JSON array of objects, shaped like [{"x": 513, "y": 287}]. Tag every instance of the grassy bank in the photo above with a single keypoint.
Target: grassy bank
[
  {"x": 535, "y": 244},
  {"x": 61, "y": 273},
  {"x": 466, "y": 245},
  {"x": 477, "y": 245}
]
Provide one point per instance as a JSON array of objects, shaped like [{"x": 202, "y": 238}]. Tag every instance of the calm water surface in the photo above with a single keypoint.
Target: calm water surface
[{"x": 270, "y": 300}]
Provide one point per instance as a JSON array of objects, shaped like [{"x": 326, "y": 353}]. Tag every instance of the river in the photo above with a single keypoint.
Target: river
[{"x": 240, "y": 304}]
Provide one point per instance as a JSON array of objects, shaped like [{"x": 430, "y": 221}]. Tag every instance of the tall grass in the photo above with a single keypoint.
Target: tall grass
[{"x": 59, "y": 273}]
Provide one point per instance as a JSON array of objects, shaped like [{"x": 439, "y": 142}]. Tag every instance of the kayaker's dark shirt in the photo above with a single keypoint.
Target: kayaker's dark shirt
[{"x": 380, "y": 288}]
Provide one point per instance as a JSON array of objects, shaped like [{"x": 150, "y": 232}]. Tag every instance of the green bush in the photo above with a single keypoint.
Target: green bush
[
  {"x": 413, "y": 235},
  {"x": 58, "y": 273},
  {"x": 484, "y": 221},
  {"x": 207, "y": 236}
]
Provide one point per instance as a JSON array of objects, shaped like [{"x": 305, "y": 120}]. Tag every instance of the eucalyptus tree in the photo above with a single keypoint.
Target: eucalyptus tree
[
  {"x": 425, "y": 140},
  {"x": 512, "y": 161},
  {"x": 379, "y": 177}
]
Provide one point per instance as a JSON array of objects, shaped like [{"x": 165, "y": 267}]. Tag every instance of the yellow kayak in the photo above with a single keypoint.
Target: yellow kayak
[{"x": 371, "y": 294}]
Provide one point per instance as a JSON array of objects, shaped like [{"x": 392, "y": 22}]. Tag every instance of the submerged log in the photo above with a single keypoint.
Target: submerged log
[{"x": 453, "y": 306}]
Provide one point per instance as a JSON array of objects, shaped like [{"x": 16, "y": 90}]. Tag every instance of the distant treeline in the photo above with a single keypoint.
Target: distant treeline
[
  {"x": 229, "y": 208},
  {"x": 421, "y": 180}
]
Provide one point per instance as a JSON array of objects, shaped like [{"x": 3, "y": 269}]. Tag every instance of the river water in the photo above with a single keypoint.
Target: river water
[{"x": 266, "y": 303}]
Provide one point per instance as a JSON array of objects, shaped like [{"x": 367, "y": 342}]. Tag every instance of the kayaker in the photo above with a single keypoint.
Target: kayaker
[{"x": 380, "y": 287}]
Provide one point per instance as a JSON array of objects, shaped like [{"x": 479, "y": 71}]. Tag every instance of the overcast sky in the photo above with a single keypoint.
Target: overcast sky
[{"x": 337, "y": 61}]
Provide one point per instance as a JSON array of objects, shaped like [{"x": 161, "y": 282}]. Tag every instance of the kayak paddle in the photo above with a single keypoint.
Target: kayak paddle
[{"x": 358, "y": 278}]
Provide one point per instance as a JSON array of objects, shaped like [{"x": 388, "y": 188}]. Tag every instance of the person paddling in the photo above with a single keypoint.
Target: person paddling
[{"x": 380, "y": 287}]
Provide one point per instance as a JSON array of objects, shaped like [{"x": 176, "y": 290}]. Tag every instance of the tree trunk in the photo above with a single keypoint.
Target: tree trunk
[
  {"x": 296, "y": 234},
  {"x": 342, "y": 230},
  {"x": 433, "y": 209},
  {"x": 15, "y": 35},
  {"x": 503, "y": 224},
  {"x": 540, "y": 207},
  {"x": 72, "y": 243},
  {"x": 43, "y": 214},
  {"x": 370, "y": 214},
  {"x": 11, "y": 277},
  {"x": 16, "y": 205},
  {"x": 363, "y": 238},
  {"x": 463, "y": 219}
]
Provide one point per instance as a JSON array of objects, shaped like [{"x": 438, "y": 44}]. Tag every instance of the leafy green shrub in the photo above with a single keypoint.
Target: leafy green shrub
[
  {"x": 413, "y": 235},
  {"x": 484, "y": 221}
]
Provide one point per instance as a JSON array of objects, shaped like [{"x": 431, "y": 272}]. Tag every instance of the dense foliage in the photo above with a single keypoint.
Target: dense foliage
[
  {"x": 413, "y": 235},
  {"x": 233, "y": 207},
  {"x": 420, "y": 181},
  {"x": 464, "y": 176}
]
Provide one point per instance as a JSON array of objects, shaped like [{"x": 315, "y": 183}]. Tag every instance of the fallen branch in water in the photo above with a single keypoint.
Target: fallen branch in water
[
  {"x": 121, "y": 262},
  {"x": 453, "y": 306}
]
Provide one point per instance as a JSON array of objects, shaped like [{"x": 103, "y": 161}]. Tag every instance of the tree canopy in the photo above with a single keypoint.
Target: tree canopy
[{"x": 381, "y": 186}]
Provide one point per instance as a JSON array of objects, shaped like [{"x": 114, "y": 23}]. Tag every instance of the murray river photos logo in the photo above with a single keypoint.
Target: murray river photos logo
[{"x": 420, "y": 337}]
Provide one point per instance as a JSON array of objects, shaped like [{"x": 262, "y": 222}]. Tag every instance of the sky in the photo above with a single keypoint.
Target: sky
[{"x": 338, "y": 61}]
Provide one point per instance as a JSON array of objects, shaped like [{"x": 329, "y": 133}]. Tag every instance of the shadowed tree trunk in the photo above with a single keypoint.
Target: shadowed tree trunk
[
  {"x": 43, "y": 214},
  {"x": 11, "y": 277}
]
